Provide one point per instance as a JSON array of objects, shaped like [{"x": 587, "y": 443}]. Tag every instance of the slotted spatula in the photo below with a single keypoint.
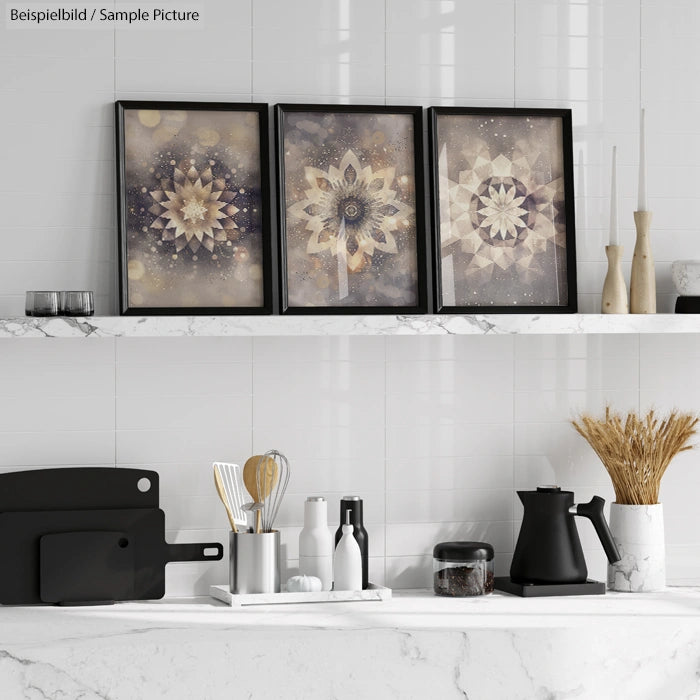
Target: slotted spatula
[{"x": 229, "y": 484}]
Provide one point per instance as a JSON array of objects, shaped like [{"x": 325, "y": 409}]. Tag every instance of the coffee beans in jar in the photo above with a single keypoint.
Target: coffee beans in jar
[{"x": 462, "y": 569}]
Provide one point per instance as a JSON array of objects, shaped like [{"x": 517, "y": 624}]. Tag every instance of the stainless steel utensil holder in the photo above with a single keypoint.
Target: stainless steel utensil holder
[{"x": 254, "y": 562}]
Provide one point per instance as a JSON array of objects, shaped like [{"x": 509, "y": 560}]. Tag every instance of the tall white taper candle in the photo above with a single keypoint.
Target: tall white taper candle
[
  {"x": 642, "y": 203},
  {"x": 614, "y": 236}
]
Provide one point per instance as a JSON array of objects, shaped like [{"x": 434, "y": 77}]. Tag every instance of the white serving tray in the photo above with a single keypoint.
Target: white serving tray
[{"x": 223, "y": 593}]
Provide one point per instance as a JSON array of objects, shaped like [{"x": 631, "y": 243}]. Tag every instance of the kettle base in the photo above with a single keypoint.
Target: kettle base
[{"x": 539, "y": 590}]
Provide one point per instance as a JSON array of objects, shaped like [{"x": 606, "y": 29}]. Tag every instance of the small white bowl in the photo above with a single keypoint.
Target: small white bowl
[{"x": 686, "y": 277}]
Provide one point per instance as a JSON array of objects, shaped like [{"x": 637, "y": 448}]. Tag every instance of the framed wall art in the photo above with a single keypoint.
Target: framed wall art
[
  {"x": 194, "y": 208},
  {"x": 352, "y": 214},
  {"x": 503, "y": 214}
]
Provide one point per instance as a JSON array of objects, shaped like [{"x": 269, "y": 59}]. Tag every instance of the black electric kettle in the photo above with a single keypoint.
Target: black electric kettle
[{"x": 548, "y": 550}]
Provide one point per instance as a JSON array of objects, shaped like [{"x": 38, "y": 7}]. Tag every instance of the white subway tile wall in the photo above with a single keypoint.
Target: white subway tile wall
[
  {"x": 435, "y": 433},
  {"x": 600, "y": 59}
]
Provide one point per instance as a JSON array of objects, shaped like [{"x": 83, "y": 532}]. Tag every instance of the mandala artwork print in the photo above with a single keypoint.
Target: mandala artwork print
[
  {"x": 502, "y": 222},
  {"x": 350, "y": 210},
  {"x": 193, "y": 208}
]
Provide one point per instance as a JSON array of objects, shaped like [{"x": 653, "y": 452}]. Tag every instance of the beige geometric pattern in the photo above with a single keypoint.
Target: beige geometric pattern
[
  {"x": 502, "y": 212},
  {"x": 193, "y": 209},
  {"x": 350, "y": 210}
]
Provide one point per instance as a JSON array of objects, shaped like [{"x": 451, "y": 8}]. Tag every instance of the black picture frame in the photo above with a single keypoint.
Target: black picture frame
[
  {"x": 496, "y": 147},
  {"x": 333, "y": 133},
  {"x": 226, "y": 146}
]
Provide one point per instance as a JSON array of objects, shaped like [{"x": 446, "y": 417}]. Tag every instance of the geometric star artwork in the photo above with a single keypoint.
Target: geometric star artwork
[
  {"x": 194, "y": 208},
  {"x": 505, "y": 220},
  {"x": 351, "y": 211},
  {"x": 352, "y": 219}
]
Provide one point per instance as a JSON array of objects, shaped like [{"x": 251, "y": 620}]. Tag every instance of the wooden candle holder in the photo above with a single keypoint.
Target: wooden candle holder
[
  {"x": 614, "y": 290},
  {"x": 643, "y": 279}
]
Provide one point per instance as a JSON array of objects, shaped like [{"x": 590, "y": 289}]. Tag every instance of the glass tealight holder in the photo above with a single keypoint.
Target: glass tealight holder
[
  {"x": 42, "y": 303},
  {"x": 77, "y": 304}
]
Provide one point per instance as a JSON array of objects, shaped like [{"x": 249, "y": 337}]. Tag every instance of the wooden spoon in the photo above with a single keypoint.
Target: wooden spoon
[{"x": 268, "y": 478}]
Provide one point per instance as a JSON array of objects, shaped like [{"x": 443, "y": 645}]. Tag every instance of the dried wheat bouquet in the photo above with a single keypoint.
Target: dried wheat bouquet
[{"x": 636, "y": 451}]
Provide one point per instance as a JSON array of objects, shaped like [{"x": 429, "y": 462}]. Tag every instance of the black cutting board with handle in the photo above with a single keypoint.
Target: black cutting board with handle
[
  {"x": 78, "y": 488},
  {"x": 85, "y": 535}
]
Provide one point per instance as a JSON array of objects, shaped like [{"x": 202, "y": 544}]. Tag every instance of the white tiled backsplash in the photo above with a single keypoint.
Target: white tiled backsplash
[
  {"x": 436, "y": 432},
  {"x": 601, "y": 59}
]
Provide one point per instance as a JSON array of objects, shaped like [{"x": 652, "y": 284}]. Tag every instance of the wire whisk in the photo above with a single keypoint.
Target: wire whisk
[{"x": 271, "y": 477}]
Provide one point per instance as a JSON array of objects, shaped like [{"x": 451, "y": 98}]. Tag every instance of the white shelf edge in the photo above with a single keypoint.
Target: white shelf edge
[{"x": 221, "y": 326}]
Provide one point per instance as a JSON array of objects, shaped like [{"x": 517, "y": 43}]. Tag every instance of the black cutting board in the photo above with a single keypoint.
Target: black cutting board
[
  {"x": 142, "y": 573},
  {"x": 86, "y": 567},
  {"x": 77, "y": 488}
]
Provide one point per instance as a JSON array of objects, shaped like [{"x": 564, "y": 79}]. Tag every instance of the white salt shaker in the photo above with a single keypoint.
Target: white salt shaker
[
  {"x": 347, "y": 562},
  {"x": 316, "y": 542}
]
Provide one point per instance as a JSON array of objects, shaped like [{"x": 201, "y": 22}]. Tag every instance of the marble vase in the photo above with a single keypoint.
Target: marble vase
[
  {"x": 685, "y": 275},
  {"x": 638, "y": 532}
]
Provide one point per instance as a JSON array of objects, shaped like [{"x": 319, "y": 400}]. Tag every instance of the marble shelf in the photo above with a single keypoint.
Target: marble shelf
[
  {"x": 641, "y": 646},
  {"x": 487, "y": 324}
]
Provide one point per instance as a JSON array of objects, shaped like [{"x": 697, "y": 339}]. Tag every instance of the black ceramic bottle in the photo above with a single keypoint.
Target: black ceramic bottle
[{"x": 354, "y": 505}]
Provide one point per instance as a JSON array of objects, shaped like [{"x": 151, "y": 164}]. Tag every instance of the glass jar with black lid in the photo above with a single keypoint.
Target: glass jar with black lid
[{"x": 462, "y": 569}]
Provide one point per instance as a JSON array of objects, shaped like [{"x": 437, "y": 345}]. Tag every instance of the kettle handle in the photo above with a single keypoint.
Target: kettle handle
[{"x": 593, "y": 510}]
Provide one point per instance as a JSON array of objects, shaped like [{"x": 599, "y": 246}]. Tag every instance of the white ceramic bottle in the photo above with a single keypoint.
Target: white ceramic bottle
[
  {"x": 316, "y": 542},
  {"x": 347, "y": 561}
]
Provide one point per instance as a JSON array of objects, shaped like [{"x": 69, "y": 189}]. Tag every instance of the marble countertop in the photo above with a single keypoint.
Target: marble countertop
[
  {"x": 618, "y": 646},
  {"x": 413, "y": 610}
]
